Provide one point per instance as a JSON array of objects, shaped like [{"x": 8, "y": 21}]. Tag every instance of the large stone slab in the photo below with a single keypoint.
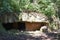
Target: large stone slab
[{"x": 34, "y": 17}]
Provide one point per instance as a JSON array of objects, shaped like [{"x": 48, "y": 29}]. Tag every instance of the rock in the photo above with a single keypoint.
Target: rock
[
  {"x": 43, "y": 29},
  {"x": 34, "y": 17},
  {"x": 58, "y": 31}
]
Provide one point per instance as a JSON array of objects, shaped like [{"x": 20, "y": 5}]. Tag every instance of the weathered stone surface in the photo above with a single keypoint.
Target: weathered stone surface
[
  {"x": 58, "y": 31},
  {"x": 32, "y": 26},
  {"x": 34, "y": 17},
  {"x": 9, "y": 18},
  {"x": 44, "y": 28}
]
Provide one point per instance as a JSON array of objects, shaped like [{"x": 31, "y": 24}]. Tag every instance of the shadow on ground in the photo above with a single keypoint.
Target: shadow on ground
[{"x": 10, "y": 36}]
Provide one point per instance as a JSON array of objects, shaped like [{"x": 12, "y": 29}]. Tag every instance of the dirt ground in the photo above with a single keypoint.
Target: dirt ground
[{"x": 22, "y": 36}]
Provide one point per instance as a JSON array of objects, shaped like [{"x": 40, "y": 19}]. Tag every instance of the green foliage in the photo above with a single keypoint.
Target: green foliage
[
  {"x": 45, "y": 6},
  {"x": 23, "y": 4},
  {"x": 57, "y": 2},
  {"x": 9, "y": 6}
]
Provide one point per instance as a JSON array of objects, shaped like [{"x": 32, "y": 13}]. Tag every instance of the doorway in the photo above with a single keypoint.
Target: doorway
[{"x": 16, "y": 25}]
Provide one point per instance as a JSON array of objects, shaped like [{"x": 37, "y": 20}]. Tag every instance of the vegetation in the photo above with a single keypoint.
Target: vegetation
[{"x": 47, "y": 7}]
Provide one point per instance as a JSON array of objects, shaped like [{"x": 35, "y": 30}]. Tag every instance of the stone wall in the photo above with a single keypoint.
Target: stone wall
[{"x": 34, "y": 25}]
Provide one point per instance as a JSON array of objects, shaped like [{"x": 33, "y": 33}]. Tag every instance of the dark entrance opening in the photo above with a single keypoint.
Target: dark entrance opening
[
  {"x": 7, "y": 26},
  {"x": 16, "y": 25},
  {"x": 21, "y": 26}
]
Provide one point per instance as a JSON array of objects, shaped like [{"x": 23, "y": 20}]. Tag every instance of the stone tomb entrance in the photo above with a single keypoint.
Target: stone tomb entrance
[
  {"x": 31, "y": 21},
  {"x": 24, "y": 26},
  {"x": 15, "y": 25}
]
